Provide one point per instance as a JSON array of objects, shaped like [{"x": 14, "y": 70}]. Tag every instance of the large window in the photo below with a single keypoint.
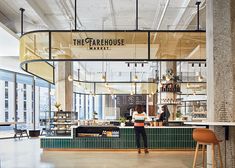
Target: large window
[
  {"x": 7, "y": 102},
  {"x": 17, "y": 105},
  {"x": 41, "y": 102}
]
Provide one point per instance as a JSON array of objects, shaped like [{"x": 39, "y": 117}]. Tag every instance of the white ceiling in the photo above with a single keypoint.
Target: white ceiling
[{"x": 101, "y": 14}]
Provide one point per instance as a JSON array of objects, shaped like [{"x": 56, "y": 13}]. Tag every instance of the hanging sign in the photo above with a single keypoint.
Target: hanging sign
[{"x": 98, "y": 44}]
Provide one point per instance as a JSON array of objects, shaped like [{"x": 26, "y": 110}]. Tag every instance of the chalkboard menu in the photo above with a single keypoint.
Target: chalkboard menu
[{"x": 123, "y": 100}]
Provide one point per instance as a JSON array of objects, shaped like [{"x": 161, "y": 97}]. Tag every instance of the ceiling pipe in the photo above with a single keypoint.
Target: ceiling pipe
[
  {"x": 137, "y": 15},
  {"x": 163, "y": 14},
  {"x": 75, "y": 14},
  {"x": 198, "y": 2},
  {"x": 112, "y": 14},
  {"x": 161, "y": 19},
  {"x": 22, "y": 20}
]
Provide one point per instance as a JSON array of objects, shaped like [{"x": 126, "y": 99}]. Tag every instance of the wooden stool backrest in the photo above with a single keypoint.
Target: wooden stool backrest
[{"x": 204, "y": 135}]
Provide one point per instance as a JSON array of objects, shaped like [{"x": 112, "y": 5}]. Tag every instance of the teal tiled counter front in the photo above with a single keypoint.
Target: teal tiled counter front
[{"x": 158, "y": 138}]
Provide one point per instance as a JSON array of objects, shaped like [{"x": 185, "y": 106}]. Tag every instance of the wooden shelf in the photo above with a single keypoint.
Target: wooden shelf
[{"x": 169, "y": 104}]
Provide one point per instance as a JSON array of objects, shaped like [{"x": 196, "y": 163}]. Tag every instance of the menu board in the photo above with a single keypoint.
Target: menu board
[{"x": 130, "y": 100}]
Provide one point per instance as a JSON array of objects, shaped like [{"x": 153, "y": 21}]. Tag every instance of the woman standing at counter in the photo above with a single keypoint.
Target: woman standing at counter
[
  {"x": 164, "y": 116},
  {"x": 139, "y": 117}
]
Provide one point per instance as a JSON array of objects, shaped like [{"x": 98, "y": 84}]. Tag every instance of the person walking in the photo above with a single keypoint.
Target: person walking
[{"x": 139, "y": 117}]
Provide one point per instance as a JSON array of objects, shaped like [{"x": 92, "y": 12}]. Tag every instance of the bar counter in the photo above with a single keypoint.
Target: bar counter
[{"x": 169, "y": 138}]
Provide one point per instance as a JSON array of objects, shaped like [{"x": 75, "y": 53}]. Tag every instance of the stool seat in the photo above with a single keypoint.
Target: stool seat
[{"x": 204, "y": 136}]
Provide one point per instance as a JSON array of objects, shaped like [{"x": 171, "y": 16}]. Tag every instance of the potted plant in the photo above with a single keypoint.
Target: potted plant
[
  {"x": 122, "y": 120},
  {"x": 178, "y": 115}
]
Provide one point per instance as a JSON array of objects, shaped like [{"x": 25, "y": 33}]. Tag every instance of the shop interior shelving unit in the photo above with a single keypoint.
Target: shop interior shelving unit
[
  {"x": 61, "y": 122},
  {"x": 168, "y": 96}
]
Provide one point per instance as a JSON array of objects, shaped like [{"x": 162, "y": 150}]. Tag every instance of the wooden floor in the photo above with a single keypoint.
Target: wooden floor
[{"x": 26, "y": 153}]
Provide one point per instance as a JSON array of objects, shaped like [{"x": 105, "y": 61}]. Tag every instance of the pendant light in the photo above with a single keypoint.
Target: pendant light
[
  {"x": 106, "y": 85},
  {"x": 70, "y": 78},
  {"x": 200, "y": 77}
]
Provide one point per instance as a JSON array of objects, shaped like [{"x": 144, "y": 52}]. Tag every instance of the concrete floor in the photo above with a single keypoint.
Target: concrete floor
[{"x": 26, "y": 153}]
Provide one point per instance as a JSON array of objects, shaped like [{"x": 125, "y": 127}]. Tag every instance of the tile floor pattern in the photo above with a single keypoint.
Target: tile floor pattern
[{"x": 26, "y": 153}]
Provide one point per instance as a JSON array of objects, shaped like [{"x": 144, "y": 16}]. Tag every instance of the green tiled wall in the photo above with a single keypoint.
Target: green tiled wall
[{"x": 159, "y": 138}]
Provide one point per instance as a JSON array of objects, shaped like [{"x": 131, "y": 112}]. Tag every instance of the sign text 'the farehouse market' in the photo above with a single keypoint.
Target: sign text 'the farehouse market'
[{"x": 98, "y": 44}]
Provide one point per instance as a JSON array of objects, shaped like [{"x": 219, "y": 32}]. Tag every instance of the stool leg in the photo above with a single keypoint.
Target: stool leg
[
  {"x": 220, "y": 158},
  {"x": 203, "y": 156},
  {"x": 213, "y": 157},
  {"x": 195, "y": 156}
]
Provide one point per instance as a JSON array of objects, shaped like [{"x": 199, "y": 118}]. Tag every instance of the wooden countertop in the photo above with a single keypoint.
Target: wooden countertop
[{"x": 211, "y": 123}]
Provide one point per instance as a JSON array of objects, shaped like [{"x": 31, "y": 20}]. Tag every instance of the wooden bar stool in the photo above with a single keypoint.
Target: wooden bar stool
[{"x": 204, "y": 136}]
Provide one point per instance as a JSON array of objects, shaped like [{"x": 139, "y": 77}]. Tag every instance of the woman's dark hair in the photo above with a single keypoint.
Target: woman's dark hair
[
  {"x": 166, "y": 111},
  {"x": 139, "y": 108}
]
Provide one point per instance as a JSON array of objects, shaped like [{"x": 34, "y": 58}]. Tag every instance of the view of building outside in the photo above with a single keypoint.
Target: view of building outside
[{"x": 17, "y": 105}]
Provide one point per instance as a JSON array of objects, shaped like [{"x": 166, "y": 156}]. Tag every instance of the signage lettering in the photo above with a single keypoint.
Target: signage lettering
[{"x": 98, "y": 44}]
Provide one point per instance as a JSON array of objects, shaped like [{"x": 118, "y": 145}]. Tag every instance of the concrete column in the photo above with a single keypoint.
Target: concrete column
[
  {"x": 220, "y": 22},
  {"x": 64, "y": 87}
]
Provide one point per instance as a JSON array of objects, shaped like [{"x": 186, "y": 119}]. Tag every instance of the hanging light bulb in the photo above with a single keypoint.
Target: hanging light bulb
[
  {"x": 188, "y": 85},
  {"x": 70, "y": 78},
  {"x": 200, "y": 77},
  {"x": 103, "y": 77},
  {"x": 52, "y": 92},
  {"x": 152, "y": 93},
  {"x": 194, "y": 93},
  {"x": 132, "y": 93},
  {"x": 106, "y": 85},
  {"x": 136, "y": 78},
  {"x": 167, "y": 77}
]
